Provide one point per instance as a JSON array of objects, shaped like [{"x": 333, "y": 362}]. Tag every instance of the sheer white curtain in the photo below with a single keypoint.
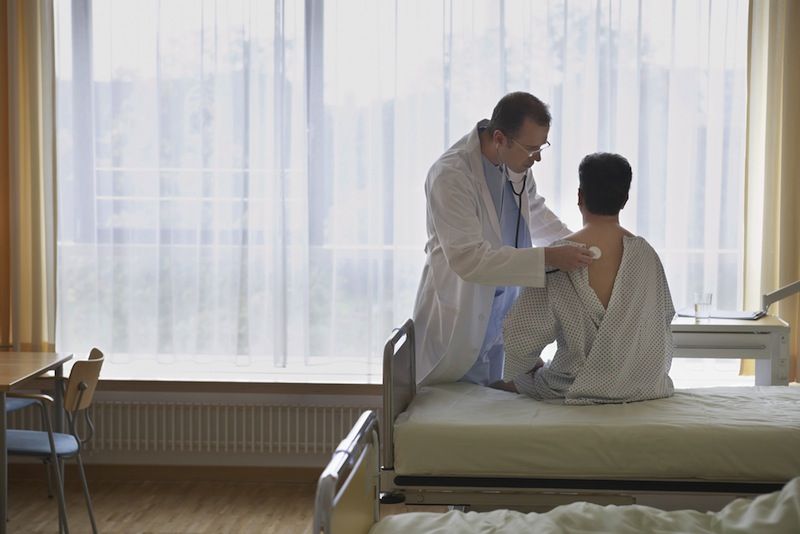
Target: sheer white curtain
[{"x": 240, "y": 183}]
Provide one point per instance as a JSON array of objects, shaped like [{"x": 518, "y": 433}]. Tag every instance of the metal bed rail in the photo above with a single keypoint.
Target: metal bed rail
[
  {"x": 342, "y": 472},
  {"x": 399, "y": 384}
]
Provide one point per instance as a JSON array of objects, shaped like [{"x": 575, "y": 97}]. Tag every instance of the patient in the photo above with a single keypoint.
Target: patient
[{"x": 611, "y": 320}]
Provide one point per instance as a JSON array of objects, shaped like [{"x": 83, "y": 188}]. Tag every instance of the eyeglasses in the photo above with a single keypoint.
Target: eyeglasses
[{"x": 531, "y": 151}]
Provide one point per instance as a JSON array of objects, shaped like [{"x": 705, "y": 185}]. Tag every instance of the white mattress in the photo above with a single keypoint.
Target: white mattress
[
  {"x": 777, "y": 512},
  {"x": 730, "y": 434}
]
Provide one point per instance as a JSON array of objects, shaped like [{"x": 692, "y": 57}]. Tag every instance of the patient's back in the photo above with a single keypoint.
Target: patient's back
[{"x": 603, "y": 271}]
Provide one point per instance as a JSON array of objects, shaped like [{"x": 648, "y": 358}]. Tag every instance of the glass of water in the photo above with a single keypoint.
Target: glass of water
[{"x": 702, "y": 305}]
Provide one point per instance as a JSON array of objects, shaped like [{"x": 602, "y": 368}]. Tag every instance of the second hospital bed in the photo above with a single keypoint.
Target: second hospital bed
[
  {"x": 462, "y": 444},
  {"x": 348, "y": 489}
]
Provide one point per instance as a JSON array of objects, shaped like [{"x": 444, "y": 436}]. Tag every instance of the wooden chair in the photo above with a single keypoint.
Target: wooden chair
[
  {"x": 54, "y": 447},
  {"x": 15, "y": 404}
]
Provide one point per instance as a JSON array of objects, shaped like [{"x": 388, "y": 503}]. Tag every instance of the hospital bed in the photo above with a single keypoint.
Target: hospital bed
[
  {"x": 348, "y": 489},
  {"x": 471, "y": 446}
]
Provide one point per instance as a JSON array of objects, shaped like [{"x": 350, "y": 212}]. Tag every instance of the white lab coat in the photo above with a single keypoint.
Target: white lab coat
[{"x": 466, "y": 260}]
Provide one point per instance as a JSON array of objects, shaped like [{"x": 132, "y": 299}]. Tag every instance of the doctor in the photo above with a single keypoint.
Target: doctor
[{"x": 483, "y": 215}]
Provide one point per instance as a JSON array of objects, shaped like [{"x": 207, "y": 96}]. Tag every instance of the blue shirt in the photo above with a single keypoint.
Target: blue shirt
[{"x": 488, "y": 367}]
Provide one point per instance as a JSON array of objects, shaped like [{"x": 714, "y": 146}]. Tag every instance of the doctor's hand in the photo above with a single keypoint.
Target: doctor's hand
[{"x": 567, "y": 257}]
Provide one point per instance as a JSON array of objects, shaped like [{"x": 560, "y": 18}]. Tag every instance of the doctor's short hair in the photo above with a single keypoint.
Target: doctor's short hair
[
  {"x": 605, "y": 180},
  {"x": 512, "y": 110}
]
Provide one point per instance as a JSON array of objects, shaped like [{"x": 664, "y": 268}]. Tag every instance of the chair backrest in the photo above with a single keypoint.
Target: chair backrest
[{"x": 85, "y": 372}]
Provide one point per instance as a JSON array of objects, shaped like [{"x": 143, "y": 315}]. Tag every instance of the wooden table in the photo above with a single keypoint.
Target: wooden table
[{"x": 15, "y": 369}]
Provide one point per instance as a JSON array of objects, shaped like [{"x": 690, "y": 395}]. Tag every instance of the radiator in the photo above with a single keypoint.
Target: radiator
[{"x": 214, "y": 433}]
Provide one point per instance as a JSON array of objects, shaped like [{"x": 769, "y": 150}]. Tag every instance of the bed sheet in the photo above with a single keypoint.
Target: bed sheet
[
  {"x": 777, "y": 512},
  {"x": 731, "y": 434}
]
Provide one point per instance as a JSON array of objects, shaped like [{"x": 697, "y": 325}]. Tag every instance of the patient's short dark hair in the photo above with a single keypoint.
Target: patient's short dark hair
[
  {"x": 605, "y": 180},
  {"x": 512, "y": 110}
]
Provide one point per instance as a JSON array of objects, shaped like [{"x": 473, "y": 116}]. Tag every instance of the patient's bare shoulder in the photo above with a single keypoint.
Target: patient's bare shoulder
[
  {"x": 599, "y": 236},
  {"x": 603, "y": 271},
  {"x": 581, "y": 236}
]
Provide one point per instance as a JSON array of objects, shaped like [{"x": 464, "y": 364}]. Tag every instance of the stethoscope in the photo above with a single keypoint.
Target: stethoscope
[
  {"x": 596, "y": 254},
  {"x": 507, "y": 178},
  {"x": 519, "y": 199},
  {"x": 593, "y": 249}
]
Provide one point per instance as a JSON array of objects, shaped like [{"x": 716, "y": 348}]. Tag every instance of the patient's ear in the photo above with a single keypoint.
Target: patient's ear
[{"x": 580, "y": 197}]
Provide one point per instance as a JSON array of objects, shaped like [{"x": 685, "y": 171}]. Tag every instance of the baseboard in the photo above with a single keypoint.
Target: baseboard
[{"x": 173, "y": 473}]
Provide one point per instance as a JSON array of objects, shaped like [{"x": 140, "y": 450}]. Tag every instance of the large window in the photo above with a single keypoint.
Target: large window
[{"x": 241, "y": 182}]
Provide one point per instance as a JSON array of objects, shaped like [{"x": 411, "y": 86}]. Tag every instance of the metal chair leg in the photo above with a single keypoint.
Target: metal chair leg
[
  {"x": 62, "y": 505},
  {"x": 46, "y": 461},
  {"x": 86, "y": 493},
  {"x": 53, "y": 469},
  {"x": 49, "y": 473},
  {"x": 63, "y": 473}
]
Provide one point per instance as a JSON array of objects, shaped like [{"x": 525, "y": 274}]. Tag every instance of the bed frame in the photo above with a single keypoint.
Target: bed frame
[
  {"x": 347, "y": 492},
  {"x": 347, "y": 500},
  {"x": 532, "y": 494}
]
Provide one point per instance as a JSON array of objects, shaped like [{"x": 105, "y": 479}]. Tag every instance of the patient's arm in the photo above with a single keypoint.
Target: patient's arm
[
  {"x": 528, "y": 328},
  {"x": 665, "y": 295},
  {"x": 505, "y": 386},
  {"x": 526, "y": 379}
]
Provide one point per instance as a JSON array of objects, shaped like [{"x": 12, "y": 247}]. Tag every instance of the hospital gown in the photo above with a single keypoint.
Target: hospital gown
[{"x": 619, "y": 354}]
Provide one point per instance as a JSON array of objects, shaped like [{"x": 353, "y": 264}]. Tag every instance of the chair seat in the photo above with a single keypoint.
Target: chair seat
[
  {"x": 12, "y": 404},
  {"x": 36, "y": 443}
]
